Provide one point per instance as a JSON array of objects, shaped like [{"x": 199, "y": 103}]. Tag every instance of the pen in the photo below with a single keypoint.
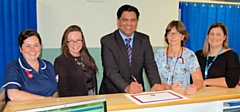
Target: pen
[{"x": 134, "y": 79}]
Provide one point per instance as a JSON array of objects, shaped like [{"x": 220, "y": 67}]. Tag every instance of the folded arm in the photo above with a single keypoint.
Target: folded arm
[{"x": 15, "y": 94}]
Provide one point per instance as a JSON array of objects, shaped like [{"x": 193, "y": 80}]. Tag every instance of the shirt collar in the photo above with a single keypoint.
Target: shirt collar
[
  {"x": 24, "y": 64},
  {"x": 124, "y": 36}
]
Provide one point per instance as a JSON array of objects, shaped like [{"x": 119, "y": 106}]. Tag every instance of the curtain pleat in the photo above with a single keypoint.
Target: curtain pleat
[
  {"x": 235, "y": 40},
  {"x": 2, "y": 62},
  {"x": 197, "y": 17},
  {"x": 16, "y": 16}
]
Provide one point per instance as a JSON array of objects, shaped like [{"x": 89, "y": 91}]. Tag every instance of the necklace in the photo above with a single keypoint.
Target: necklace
[{"x": 78, "y": 62}]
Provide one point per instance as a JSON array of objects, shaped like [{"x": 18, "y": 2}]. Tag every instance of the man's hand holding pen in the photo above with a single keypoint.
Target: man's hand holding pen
[{"x": 134, "y": 87}]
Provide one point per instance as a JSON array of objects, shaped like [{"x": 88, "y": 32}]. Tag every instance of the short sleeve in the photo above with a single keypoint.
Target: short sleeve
[
  {"x": 157, "y": 57},
  {"x": 11, "y": 76},
  {"x": 232, "y": 70},
  {"x": 193, "y": 62}
]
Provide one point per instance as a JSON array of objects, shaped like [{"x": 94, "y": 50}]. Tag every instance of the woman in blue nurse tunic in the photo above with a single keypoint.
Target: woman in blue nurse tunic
[{"x": 29, "y": 77}]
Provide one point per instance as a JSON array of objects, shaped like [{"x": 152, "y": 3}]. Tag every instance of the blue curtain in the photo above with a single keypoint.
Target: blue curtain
[
  {"x": 197, "y": 17},
  {"x": 16, "y": 16}
]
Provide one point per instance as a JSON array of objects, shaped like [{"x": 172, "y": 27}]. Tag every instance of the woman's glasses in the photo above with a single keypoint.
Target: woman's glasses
[
  {"x": 173, "y": 33},
  {"x": 76, "y": 41}
]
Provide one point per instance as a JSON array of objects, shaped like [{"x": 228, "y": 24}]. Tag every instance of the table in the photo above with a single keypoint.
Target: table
[{"x": 116, "y": 102}]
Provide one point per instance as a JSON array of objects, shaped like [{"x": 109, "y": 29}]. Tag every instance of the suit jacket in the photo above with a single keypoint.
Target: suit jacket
[{"x": 117, "y": 70}]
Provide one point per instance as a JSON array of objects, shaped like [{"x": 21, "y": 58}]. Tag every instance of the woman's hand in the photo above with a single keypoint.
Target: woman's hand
[
  {"x": 157, "y": 87},
  {"x": 177, "y": 86},
  {"x": 166, "y": 86},
  {"x": 191, "y": 90}
]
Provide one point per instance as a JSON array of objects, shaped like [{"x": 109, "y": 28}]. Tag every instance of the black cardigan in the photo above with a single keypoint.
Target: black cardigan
[{"x": 73, "y": 81}]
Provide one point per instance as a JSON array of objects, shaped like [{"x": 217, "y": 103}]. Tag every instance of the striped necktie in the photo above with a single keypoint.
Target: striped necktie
[{"x": 129, "y": 49}]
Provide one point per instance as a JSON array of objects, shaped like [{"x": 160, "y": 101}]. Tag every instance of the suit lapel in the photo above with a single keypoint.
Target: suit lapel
[
  {"x": 135, "y": 49},
  {"x": 122, "y": 46}
]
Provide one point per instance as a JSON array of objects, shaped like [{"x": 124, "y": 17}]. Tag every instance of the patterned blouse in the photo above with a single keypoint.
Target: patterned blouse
[{"x": 178, "y": 68}]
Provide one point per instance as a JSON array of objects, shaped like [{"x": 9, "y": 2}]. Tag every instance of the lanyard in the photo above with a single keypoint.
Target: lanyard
[{"x": 208, "y": 66}]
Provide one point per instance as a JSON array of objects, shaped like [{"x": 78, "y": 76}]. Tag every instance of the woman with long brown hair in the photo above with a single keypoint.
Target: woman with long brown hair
[{"x": 75, "y": 67}]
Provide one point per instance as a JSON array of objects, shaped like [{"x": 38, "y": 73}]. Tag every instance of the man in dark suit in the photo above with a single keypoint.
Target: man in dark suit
[{"x": 123, "y": 66}]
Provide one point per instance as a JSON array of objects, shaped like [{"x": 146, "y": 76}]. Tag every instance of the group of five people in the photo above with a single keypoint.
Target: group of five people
[{"x": 125, "y": 54}]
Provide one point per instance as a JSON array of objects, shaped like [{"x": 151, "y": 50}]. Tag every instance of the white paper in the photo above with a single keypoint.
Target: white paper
[{"x": 155, "y": 97}]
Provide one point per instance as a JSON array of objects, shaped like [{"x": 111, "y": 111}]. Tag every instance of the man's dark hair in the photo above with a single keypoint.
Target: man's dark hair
[{"x": 128, "y": 8}]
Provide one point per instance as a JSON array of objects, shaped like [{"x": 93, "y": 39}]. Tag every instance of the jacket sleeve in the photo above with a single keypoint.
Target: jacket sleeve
[
  {"x": 150, "y": 65},
  {"x": 111, "y": 67}
]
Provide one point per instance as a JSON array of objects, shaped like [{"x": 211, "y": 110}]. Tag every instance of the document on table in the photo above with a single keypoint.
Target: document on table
[{"x": 155, "y": 97}]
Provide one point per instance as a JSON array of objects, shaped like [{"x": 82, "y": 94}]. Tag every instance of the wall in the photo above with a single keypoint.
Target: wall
[{"x": 99, "y": 18}]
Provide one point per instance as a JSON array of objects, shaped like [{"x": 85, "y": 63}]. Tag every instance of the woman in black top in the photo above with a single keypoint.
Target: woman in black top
[
  {"x": 75, "y": 67},
  {"x": 219, "y": 64}
]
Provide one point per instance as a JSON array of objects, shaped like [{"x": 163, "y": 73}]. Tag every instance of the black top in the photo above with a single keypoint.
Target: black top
[
  {"x": 73, "y": 81},
  {"x": 226, "y": 65}
]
